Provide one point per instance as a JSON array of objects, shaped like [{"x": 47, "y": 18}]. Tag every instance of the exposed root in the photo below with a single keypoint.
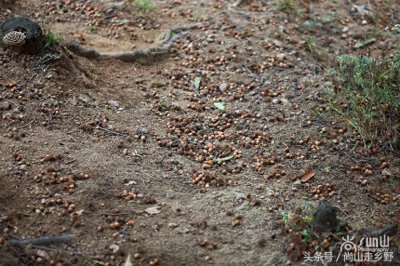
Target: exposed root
[{"x": 169, "y": 37}]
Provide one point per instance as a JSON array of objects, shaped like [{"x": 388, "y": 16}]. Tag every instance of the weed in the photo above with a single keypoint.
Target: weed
[
  {"x": 90, "y": 28},
  {"x": 330, "y": 95},
  {"x": 144, "y": 4},
  {"x": 327, "y": 169},
  {"x": 164, "y": 106},
  {"x": 287, "y": 6},
  {"x": 51, "y": 39},
  {"x": 285, "y": 217},
  {"x": 316, "y": 50},
  {"x": 316, "y": 111},
  {"x": 369, "y": 96},
  {"x": 306, "y": 235},
  {"x": 310, "y": 24}
]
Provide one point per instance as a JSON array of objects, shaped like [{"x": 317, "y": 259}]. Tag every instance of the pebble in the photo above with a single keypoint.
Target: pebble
[
  {"x": 223, "y": 86},
  {"x": 113, "y": 103},
  {"x": 5, "y": 105}
]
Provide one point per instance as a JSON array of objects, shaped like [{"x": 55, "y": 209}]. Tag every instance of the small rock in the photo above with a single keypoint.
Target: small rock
[
  {"x": 184, "y": 230},
  {"x": 173, "y": 225},
  {"x": 38, "y": 85},
  {"x": 114, "y": 248},
  {"x": 211, "y": 39},
  {"x": 387, "y": 172},
  {"x": 297, "y": 183},
  {"x": 142, "y": 131},
  {"x": 223, "y": 86},
  {"x": 118, "y": 5},
  {"x": 284, "y": 101},
  {"x": 113, "y": 103},
  {"x": 5, "y": 106}
]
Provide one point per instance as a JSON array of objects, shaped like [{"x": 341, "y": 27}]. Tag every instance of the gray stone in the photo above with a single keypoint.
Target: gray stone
[
  {"x": 4, "y": 106},
  {"x": 223, "y": 86}
]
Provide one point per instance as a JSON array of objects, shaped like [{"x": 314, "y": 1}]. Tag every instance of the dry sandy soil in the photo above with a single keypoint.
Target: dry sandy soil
[{"x": 135, "y": 159}]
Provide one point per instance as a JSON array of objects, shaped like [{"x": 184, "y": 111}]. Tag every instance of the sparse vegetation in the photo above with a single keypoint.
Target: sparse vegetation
[
  {"x": 317, "y": 51},
  {"x": 288, "y": 6},
  {"x": 368, "y": 96},
  {"x": 90, "y": 28},
  {"x": 144, "y": 4},
  {"x": 51, "y": 39}
]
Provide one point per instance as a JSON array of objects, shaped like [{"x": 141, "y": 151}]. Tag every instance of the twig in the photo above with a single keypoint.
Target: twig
[
  {"x": 135, "y": 153},
  {"x": 351, "y": 158},
  {"x": 12, "y": 102},
  {"x": 70, "y": 161},
  {"x": 196, "y": 91},
  {"x": 33, "y": 120},
  {"x": 112, "y": 131},
  {"x": 41, "y": 241}
]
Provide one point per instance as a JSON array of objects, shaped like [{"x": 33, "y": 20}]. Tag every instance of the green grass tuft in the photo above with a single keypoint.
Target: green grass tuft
[
  {"x": 369, "y": 96},
  {"x": 51, "y": 39},
  {"x": 144, "y": 4},
  {"x": 288, "y": 6}
]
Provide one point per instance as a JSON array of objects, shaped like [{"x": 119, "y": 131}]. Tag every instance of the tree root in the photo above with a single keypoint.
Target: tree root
[
  {"x": 169, "y": 37},
  {"x": 41, "y": 241}
]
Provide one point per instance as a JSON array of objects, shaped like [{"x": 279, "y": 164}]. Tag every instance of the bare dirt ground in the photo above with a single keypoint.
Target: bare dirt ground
[{"x": 134, "y": 159}]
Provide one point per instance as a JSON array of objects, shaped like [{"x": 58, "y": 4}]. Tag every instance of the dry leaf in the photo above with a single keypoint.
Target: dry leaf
[
  {"x": 307, "y": 176},
  {"x": 153, "y": 210}
]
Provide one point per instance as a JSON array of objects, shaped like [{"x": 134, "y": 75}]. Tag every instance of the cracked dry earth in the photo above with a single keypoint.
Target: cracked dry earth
[{"x": 138, "y": 159}]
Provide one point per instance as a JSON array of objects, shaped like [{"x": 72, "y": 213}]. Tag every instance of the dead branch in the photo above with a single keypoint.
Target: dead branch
[
  {"x": 169, "y": 37},
  {"x": 41, "y": 241}
]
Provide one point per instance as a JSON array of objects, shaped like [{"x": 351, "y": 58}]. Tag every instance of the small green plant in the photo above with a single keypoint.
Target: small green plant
[
  {"x": 285, "y": 217},
  {"x": 144, "y": 4},
  {"x": 288, "y": 6},
  {"x": 369, "y": 96},
  {"x": 306, "y": 235},
  {"x": 51, "y": 39},
  {"x": 90, "y": 28},
  {"x": 294, "y": 8},
  {"x": 327, "y": 169},
  {"x": 316, "y": 50}
]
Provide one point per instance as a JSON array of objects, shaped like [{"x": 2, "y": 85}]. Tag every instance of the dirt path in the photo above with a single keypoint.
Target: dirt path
[{"x": 135, "y": 159}]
